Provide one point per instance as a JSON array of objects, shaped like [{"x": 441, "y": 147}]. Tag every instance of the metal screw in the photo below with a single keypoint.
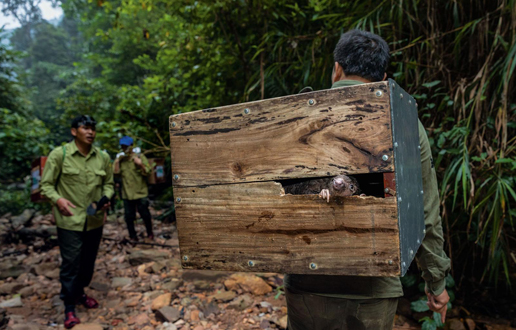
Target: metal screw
[
  {"x": 313, "y": 265},
  {"x": 185, "y": 258},
  {"x": 386, "y": 190},
  {"x": 422, "y": 192},
  {"x": 403, "y": 264},
  {"x": 401, "y": 95},
  {"x": 395, "y": 144},
  {"x": 424, "y": 231},
  {"x": 247, "y": 111},
  {"x": 311, "y": 101},
  {"x": 174, "y": 124},
  {"x": 409, "y": 101},
  {"x": 399, "y": 199},
  {"x": 418, "y": 241},
  {"x": 390, "y": 262},
  {"x": 419, "y": 147},
  {"x": 379, "y": 93},
  {"x": 178, "y": 199},
  {"x": 385, "y": 157},
  {"x": 411, "y": 252},
  {"x": 393, "y": 85},
  {"x": 176, "y": 177},
  {"x": 250, "y": 263}
]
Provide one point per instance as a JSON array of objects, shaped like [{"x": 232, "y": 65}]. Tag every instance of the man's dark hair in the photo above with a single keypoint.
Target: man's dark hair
[
  {"x": 363, "y": 54},
  {"x": 83, "y": 120}
]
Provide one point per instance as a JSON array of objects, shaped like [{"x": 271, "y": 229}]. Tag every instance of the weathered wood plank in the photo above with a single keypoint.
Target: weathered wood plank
[
  {"x": 346, "y": 130},
  {"x": 223, "y": 227}
]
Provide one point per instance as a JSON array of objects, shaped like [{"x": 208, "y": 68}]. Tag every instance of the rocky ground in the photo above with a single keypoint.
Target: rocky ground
[{"x": 143, "y": 286}]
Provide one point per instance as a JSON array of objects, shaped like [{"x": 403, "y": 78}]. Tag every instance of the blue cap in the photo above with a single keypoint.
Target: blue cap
[{"x": 126, "y": 141}]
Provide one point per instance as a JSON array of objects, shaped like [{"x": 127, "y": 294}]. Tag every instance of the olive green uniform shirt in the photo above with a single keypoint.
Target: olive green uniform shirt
[
  {"x": 432, "y": 260},
  {"x": 79, "y": 179},
  {"x": 134, "y": 177}
]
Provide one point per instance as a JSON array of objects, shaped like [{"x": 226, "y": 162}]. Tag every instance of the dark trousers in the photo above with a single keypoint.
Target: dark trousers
[
  {"x": 78, "y": 251},
  {"x": 312, "y": 312},
  {"x": 130, "y": 207}
]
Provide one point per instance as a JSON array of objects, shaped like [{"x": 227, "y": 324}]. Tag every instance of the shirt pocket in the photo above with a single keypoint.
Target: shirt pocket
[
  {"x": 71, "y": 176},
  {"x": 100, "y": 175}
]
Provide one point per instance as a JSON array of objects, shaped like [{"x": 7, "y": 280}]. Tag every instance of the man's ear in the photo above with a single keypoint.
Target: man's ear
[
  {"x": 385, "y": 76},
  {"x": 74, "y": 131},
  {"x": 338, "y": 73}
]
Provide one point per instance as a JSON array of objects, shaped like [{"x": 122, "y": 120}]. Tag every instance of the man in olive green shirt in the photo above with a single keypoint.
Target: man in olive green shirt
[
  {"x": 75, "y": 176},
  {"x": 134, "y": 169},
  {"x": 354, "y": 302}
]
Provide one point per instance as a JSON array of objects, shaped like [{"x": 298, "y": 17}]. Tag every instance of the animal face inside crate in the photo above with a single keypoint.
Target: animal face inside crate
[{"x": 228, "y": 165}]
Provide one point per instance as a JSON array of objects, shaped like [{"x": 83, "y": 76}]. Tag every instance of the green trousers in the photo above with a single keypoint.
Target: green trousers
[{"x": 312, "y": 312}]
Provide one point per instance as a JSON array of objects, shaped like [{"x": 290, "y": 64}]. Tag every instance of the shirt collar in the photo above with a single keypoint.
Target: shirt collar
[
  {"x": 72, "y": 147},
  {"x": 344, "y": 83}
]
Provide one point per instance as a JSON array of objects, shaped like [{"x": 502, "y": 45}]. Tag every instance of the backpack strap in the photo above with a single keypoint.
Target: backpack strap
[{"x": 62, "y": 162}]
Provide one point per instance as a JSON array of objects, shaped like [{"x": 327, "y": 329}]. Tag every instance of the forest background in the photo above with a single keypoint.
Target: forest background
[{"x": 133, "y": 63}]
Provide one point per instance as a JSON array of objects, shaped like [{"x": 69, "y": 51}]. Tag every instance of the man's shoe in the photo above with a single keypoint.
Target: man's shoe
[
  {"x": 71, "y": 320},
  {"x": 88, "y": 302}
]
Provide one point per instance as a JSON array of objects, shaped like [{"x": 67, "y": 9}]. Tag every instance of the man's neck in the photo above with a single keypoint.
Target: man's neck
[
  {"x": 356, "y": 78},
  {"x": 84, "y": 149}
]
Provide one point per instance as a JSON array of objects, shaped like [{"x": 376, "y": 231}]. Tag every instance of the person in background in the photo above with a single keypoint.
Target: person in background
[
  {"x": 78, "y": 180},
  {"x": 320, "y": 302},
  {"x": 134, "y": 169}
]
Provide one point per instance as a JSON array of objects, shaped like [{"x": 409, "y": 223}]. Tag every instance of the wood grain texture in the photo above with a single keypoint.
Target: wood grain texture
[
  {"x": 223, "y": 227},
  {"x": 346, "y": 131}
]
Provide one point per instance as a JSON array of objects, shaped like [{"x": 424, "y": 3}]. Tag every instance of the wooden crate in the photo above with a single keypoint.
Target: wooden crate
[
  {"x": 228, "y": 164},
  {"x": 36, "y": 172}
]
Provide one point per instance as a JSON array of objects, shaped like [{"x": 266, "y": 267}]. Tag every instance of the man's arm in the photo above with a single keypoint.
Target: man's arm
[
  {"x": 108, "y": 189},
  {"x": 50, "y": 174},
  {"x": 431, "y": 258},
  {"x": 143, "y": 164}
]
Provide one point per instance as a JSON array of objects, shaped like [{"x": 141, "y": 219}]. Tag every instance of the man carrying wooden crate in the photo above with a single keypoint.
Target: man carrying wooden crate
[
  {"x": 321, "y": 302},
  {"x": 78, "y": 179}
]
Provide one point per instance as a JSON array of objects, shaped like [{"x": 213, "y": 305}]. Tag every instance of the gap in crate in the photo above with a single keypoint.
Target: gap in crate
[{"x": 371, "y": 184}]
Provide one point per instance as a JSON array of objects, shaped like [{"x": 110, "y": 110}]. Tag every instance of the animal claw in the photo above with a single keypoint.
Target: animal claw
[{"x": 325, "y": 193}]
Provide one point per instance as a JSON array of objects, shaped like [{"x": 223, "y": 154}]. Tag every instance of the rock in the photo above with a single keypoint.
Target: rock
[
  {"x": 25, "y": 326},
  {"x": 4, "y": 318},
  {"x": 199, "y": 327},
  {"x": 14, "y": 302},
  {"x": 185, "y": 302},
  {"x": 118, "y": 282},
  {"x": 138, "y": 257},
  {"x": 167, "y": 326},
  {"x": 264, "y": 324},
  {"x": 133, "y": 301},
  {"x": 241, "y": 303},
  {"x": 49, "y": 269},
  {"x": 203, "y": 275},
  {"x": 12, "y": 271},
  {"x": 26, "y": 291},
  {"x": 102, "y": 287},
  {"x": 168, "y": 314},
  {"x": 161, "y": 301},
  {"x": 283, "y": 322},
  {"x": 10, "y": 288},
  {"x": 201, "y": 285},
  {"x": 248, "y": 283},
  {"x": 88, "y": 326},
  {"x": 471, "y": 324},
  {"x": 172, "y": 285},
  {"x": 209, "y": 308},
  {"x": 139, "y": 319},
  {"x": 454, "y": 324},
  {"x": 194, "y": 315},
  {"x": 19, "y": 221},
  {"x": 157, "y": 267},
  {"x": 224, "y": 296}
]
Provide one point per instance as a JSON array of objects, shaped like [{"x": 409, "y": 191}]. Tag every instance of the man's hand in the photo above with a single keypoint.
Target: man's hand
[
  {"x": 63, "y": 206},
  {"x": 106, "y": 206},
  {"x": 137, "y": 161},
  {"x": 438, "y": 304}
]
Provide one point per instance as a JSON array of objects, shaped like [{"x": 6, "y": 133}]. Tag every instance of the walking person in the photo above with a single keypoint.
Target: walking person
[
  {"x": 78, "y": 180},
  {"x": 134, "y": 169}
]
